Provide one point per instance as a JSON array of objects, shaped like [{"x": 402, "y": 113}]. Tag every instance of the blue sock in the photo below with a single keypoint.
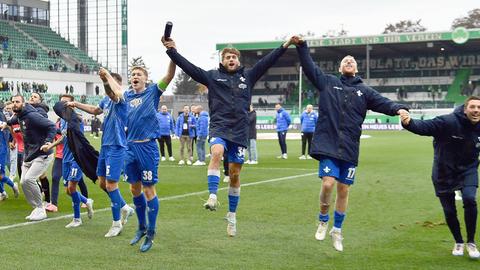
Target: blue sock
[
  {"x": 323, "y": 218},
  {"x": 338, "y": 219},
  {"x": 152, "y": 209},
  {"x": 213, "y": 180},
  {"x": 122, "y": 201},
  {"x": 140, "y": 208},
  {"x": 76, "y": 204},
  {"x": 7, "y": 180},
  {"x": 115, "y": 198},
  {"x": 233, "y": 198},
  {"x": 83, "y": 199},
  {"x": 1, "y": 188}
]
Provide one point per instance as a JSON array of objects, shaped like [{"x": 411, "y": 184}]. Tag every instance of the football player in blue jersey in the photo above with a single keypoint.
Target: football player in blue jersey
[
  {"x": 141, "y": 164},
  {"x": 114, "y": 144},
  {"x": 229, "y": 99},
  {"x": 72, "y": 173}
]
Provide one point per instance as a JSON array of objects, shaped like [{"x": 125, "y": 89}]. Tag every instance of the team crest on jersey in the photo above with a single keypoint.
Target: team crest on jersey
[
  {"x": 242, "y": 86},
  {"x": 135, "y": 102},
  {"x": 359, "y": 93},
  {"x": 242, "y": 79}
]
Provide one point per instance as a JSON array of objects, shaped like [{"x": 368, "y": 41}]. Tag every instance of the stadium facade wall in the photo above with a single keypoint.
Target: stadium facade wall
[{"x": 83, "y": 84}]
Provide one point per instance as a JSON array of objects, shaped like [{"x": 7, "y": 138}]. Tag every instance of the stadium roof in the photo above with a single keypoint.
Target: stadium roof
[
  {"x": 458, "y": 36},
  {"x": 459, "y": 41}
]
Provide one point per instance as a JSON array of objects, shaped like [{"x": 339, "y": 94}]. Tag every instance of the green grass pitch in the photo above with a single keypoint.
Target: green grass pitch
[{"x": 394, "y": 220}]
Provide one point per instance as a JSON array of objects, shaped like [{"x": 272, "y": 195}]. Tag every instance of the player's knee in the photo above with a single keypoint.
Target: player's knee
[
  {"x": 71, "y": 189},
  {"x": 469, "y": 201},
  {"x": 149, "y": 192},
  {"x": 327, "y": 186}
]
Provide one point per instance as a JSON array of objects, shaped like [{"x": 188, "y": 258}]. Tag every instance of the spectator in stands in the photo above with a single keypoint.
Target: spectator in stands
[
  {"x": 5, "y": 44},
  {"x": 308, "y": 119},
  {"x": 9, "y": 61},
  {"x": 71, "y": 90},
  {"x": 252, "y": 137},
  {"x": 260, "y": 101},
  {"x": 97, "y": 90},
  {"x": 283, "y": 121}
]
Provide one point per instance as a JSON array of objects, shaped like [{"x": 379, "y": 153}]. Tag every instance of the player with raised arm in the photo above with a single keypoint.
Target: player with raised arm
[
  {"x": 71, "y": 172},
  {"x": 229, "y": 98},
  {"x": 113, "y": 150},
  {"x": 141, "y": 166},
  {"x": 343, "y": 105}
]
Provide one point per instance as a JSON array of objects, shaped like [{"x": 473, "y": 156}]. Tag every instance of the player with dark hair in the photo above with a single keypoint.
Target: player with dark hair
[
  {"x": 456, "y": 144},
  {"x": 38, "y": 133},
  {"x": 71, "y": 172}
]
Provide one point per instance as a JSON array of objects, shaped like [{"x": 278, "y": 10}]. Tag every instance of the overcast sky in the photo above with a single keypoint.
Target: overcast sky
[{"x": 199, "y": 25}]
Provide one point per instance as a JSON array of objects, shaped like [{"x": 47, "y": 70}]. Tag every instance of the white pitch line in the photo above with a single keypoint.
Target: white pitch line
[
  {"x": 243, "y": 168},
  {"x": 161, "y": 199}
]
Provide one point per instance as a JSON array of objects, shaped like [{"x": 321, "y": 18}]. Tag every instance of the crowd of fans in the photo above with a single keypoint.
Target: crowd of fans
[
  {"x": 82, "y": 68},
  {"x": 31, "y": 54},
  {"x": 23, "y": 87},
  {"x": 54, "y": 53}
]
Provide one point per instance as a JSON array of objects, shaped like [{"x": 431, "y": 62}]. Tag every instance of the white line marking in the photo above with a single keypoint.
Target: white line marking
[
  {"x": 174, "y": 197},
  {"x": 244, "y": 167}
]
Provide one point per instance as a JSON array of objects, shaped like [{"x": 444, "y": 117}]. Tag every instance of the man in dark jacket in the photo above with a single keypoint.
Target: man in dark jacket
[
  {"x": 252, "y": 137},
  {"x": 38, "y": 132},
  {"x": 456, "y": 143},
  {"x": 343, "y": 104},
  {"x": 229, "y": 96}
]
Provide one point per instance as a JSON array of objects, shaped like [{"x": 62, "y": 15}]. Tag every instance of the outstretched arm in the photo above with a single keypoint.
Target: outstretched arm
[
  {"x": 257, "y": 71},
  {"x": 170, "y": 73},
  {"x": 312, "y": 71},
  {"x": 432, "y": 127},
  {"x": 46, "y": 147},
  {"x": 193, "y": 71},
  {"x": 85, "y": 107},
  {"x": 112, "y": 88}
]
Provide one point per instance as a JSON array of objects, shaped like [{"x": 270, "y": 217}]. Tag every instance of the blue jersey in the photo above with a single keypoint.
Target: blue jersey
[
  {"x": 67, "y": 153},
  {"x": 114, "y": 121},
  {"x": 142, "y": 122}
]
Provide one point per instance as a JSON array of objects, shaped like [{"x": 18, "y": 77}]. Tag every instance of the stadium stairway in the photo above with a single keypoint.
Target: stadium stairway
[{"x": 454, "y": 93}]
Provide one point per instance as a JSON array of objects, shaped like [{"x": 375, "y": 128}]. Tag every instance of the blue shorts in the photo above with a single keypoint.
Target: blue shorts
[
  {"x": 111, "y": 162},
  {"x": 141, "y": 163},
  {"x": 3, "y": 163},
  {"x": 343, "y": 171},
  {"x": 71, "y": 172},
  {"x": 235, "y": 152}
]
